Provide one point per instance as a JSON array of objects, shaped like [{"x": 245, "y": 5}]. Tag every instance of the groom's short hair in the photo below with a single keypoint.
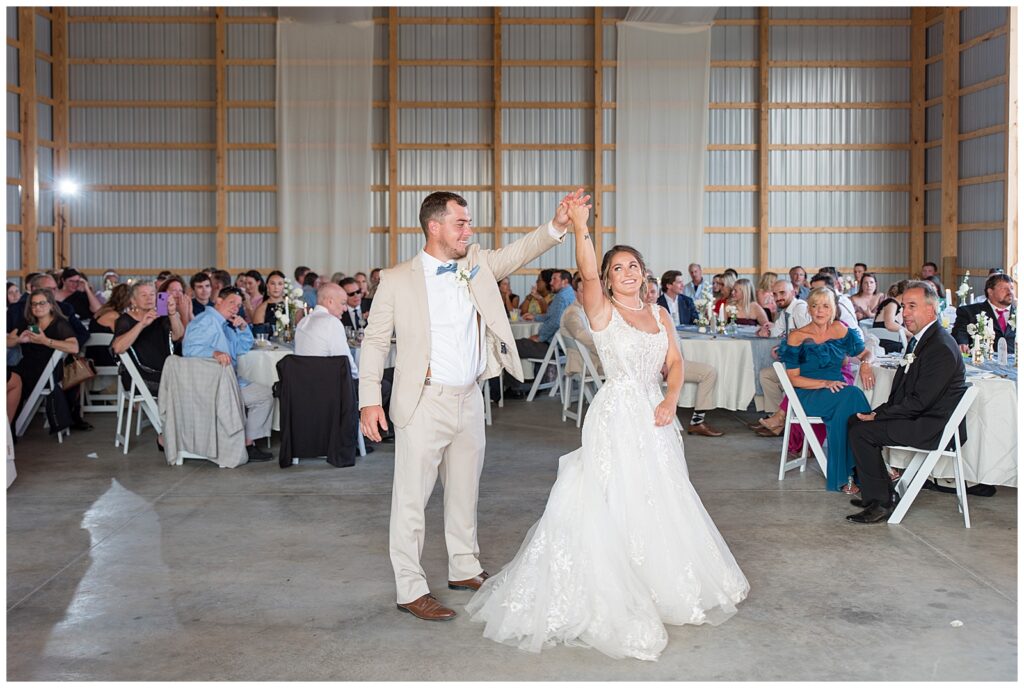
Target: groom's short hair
[{"x": 435, "y": 207}]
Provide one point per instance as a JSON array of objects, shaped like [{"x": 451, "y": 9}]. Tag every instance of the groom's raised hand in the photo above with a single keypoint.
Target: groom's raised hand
[
  {"x": 561, "y": 219},
  {"x": 371, "y": 419}
]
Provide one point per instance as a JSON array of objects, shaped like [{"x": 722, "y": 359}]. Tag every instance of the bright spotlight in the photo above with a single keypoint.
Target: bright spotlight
[{"x": 67, "y": 187}]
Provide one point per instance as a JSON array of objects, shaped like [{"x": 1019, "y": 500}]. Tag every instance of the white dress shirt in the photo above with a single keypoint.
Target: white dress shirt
[
  {"x": 798, "y": 317},
  {"x": 673, "y": 308},
  {"x": 321, "y": 334},
  {"x": 917, "y": 336},
  {"x": 847, "y": 313},
  {"x": 456, "y": 337}
]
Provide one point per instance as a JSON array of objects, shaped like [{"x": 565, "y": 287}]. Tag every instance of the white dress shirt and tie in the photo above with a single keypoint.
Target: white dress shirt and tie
[
  {"x": 793, "y": 317},
  {"x": 321, "y": 334}
]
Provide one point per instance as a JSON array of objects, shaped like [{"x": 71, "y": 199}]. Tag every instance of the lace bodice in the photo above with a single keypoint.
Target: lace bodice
[{"x": 631, "y": 354}]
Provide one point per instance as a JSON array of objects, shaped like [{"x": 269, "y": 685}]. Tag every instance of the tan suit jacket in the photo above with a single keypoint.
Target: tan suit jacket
[{"x": 400, "y": 307}]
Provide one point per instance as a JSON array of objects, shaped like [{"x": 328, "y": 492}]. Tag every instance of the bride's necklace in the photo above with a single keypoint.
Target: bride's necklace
[{"x": 639, "y": 308}]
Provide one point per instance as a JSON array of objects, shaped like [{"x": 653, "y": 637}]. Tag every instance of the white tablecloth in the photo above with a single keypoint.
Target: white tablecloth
[
  {"x": 990, "y": 454},
  {"x": 521, "y": 329},
  {"x": 733, "y": 360}
]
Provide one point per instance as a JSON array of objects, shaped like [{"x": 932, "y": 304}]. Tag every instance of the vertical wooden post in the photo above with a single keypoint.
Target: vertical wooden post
[
  {"x": 950, "y": 141},
  {"x": 498, "y": 150},
  {"x": 598, "y": 200},
  {"x": 61, "y": 154},
  {"x": 220, "y": 88},
  {"x": 1010, "y": 250},
  {"x": 393, "y": 136},
  {"x": 917, "y": 137},
  {"x": 762, "y": 141},
  {"x": 28, "y": 125}
]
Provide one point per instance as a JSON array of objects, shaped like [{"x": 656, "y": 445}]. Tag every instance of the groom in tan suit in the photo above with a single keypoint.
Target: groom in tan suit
[{"x": 452, "y": 332}]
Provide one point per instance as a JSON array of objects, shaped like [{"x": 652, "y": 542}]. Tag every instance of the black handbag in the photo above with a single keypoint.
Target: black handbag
[{"x": 58, "y": 414}]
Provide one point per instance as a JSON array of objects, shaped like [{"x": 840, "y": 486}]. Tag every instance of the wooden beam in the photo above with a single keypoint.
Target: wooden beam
[
  {"x": 145, "y": 230},
  {"x": 1010, "y": 198},
  {"x": 982, "y": 85},
  {"x": 839, "y": 22},
  {"x": 221, "y": 116},
  {"x": 131, "y": 145},
  {"x": 918, "y": 44},
  {"x": 763, "y": 137},
  {"x": 143, "y": 104},
  {"x": 986, "y": 131},
  {"x": 598, "y": 193},
  {"x": 839, "y": 187},
  {"x": 987, "y": 36},
  {"x": 144, "y": 61},
  {"x": 28, "y": 126},
  {"x": 138, "y": 19},
  {"x": 61, "y": 156},
  {"x": 497, "y": 171},
  {"x": 950, "y": 149},
  {"x": 848, "y": 64},
  {"x": 839, "y": 146},
  {"x": 393, "y": 136},
  {"x": 982, "y": 179}
]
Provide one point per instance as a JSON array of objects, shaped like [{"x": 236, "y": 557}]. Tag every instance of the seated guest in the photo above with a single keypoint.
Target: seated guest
[
  {"x": 221, "y": 333},
  {"x": 536, "y": 346},
  {"x": 77, "y": 291},
  {"x": 679, "y": 306},
  {"x": 364, "y": 288},
  {"x": 537, "y": 301},
  {"x": 202, "y": 290},
  {"x": 104, "y": 320},
  {"x": 747, "y": 310},
  {"x": 732, "y": 271},
  {"x": 256, "y": 289},
  {"x": 219, "y": 279},
  {"x": 374, "y": 281},
  {"x": 792, "y": 312},
  {"x": 814, "y": 357},
  {"x": 847, "y": 314},
  {"x": 866, "y": 300},
  {"x": 937, "y": 283},
  {"x": 16, "y": 312},
  {"x": 923, "y": 397},
  {"x": 858, "y": 274},
  {"x": 701, "y": 374},
  {"x": 888, "y": 316},
  {"x": 337, "y": 277},
  {"x": 574, "y": 324},
  {"x": 510, "y": 300},
  {"x": 798, "y": 278},
  {"x": 998, "y": 306},
  {"x": 274, "y": 303},
  {"x": 929, "y": 269},
  {"x": 164, "y": 274},
  {"x": 721, "y": 289},
  {"x": 300, "y": 275},
  {"x": 352, "y": 315},
  {"x": 764, "y": 295},
  {"x": 696, "y": 287},
  {"x": 174, "y": 285},
  {"x": 148, "y": 337},
  {"x": 44, "y": 329},
  {"x": 321, "y": 333},
  {"x": 14, "y": 387},
  {"x": 13, "y": 293},
  {"x": 310, "y": 282}
]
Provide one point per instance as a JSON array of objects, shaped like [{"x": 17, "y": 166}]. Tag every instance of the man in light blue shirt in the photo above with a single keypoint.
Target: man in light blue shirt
[
  {"x": 537, "y": 345},
  {"x": 220, "y": 333},
  {"x": 696, "y": 287}
]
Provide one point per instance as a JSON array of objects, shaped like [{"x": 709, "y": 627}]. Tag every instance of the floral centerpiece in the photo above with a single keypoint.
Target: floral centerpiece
[
  {"x": 293, "y": 303},
  {"x": 983, "y": 335},
  {"x": 847, "y": 283},
  {"x": 964, "y": 289},
  {"x": 731, "y": 313},
  {"x": 704, "y": 305}
]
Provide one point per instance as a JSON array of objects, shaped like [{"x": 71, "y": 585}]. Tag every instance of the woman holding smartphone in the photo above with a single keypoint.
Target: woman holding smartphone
[
  {"x": 46, "y": 330},
  {"x": 148, "y": 337}
]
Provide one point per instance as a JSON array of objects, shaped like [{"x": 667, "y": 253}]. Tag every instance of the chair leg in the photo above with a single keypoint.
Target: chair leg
[
  {"x": 120, "y": 415},
  {"x": 961, "y": 486},
  {"x": 361, "y": 442},
  {"x": 538, "y": 377},
  {"x": 785, "y": 445},
  {"x": 915, "y": 486},
  {"x": 128, "y": 421},
  {"x": 579, "y": 403}
]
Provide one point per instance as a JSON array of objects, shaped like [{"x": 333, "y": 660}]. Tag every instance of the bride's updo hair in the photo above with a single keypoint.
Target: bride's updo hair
[{"x": 606, "y": 266}]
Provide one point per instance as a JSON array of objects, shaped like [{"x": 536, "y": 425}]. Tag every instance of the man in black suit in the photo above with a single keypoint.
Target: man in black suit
[
  {"x": 998, "y": 306},
  {"x": 679, "y": 305},
  {"x": 353, "y": 315},
  {"x": 924, "y": 395}
]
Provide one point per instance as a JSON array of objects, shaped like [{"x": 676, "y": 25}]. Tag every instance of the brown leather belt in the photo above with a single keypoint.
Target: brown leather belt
[{"x": 426, "y": 380}]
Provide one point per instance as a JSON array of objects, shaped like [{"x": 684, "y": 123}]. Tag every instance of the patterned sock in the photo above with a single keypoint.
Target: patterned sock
[{"x": 697, "y": 418}]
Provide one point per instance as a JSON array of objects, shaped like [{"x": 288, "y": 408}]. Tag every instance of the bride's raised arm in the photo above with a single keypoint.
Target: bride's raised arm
[{"x": 595, "y": 304}]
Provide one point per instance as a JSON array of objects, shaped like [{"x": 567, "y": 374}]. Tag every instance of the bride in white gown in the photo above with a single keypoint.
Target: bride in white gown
[{"x": 624, "y": 545}]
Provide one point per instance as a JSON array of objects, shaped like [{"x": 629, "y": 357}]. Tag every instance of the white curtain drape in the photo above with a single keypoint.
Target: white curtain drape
[
  {"x": 661, "y": 133},
  {"x": 324, "y": 102}
]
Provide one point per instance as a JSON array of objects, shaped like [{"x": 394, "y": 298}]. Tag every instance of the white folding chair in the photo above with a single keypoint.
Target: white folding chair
[
  {"x": 555, "y": 356},
  {"x": 924, "y": 461},
  {"x": 44, "y": 386},
  {"x": 589, "y": 379},
  {"x": 796, "y": 412},
  {"x": 137, "y": 396},
  {"x": 103, "y": 374}
]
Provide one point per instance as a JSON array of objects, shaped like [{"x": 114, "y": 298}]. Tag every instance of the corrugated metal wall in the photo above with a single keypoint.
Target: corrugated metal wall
[
  {"x": 13, "y": 150},
  {"x": 454, "y": 168}
]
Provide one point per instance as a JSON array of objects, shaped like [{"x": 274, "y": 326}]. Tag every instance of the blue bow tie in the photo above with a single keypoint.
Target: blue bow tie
[{"x": 447, "y": 267}]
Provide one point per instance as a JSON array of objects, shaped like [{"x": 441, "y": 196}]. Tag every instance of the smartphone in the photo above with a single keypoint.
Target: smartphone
[
  {"x": 161, "y": 303},
  {"x": 34, "y": 329}
]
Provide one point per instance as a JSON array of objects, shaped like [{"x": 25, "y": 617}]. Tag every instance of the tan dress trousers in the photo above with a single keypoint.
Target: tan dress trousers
[
  {"x": 772, "y": 388},
  {"x": 445, "y": 437},
  {"x": 706, "y": 378}
]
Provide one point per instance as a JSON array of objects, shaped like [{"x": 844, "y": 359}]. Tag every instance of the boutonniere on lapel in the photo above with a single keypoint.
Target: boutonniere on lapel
[
  {"x": 463, "y": 276},
  {"x": 906, "y": 361}
]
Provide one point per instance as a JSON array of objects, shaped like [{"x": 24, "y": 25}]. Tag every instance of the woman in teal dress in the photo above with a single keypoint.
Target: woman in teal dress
[{"x": 814, "y": 357}]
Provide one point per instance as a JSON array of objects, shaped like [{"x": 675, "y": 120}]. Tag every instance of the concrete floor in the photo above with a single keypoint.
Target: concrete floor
[{"x": 123, "y": 568}]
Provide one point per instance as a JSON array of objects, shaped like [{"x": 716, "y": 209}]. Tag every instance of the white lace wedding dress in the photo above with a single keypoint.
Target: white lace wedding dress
[{"x": 624, "y": 545}]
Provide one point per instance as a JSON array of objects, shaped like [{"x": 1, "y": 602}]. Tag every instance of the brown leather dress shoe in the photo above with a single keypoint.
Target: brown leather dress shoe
[
  {"x": 703, "y": 429},
  {"x": 427, "y": 608},
  {"x": 473, "y": 583}
]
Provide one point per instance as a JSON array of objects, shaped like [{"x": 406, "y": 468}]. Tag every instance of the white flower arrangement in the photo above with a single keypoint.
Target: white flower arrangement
[
  {"x": 983, "y": 333},
  {"x": 847, "y": 282},
  {"x": 964, "y": 289},
  {"x": 731, "y": 313},
  {"x": 1011, "y": 322},
  {"x": 702, "y": 305}
]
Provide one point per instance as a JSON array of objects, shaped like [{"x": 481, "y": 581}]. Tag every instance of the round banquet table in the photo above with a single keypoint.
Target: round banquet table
[
  {"x": 738, "y": 360},
  {"x": 990, "y": 453}
]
